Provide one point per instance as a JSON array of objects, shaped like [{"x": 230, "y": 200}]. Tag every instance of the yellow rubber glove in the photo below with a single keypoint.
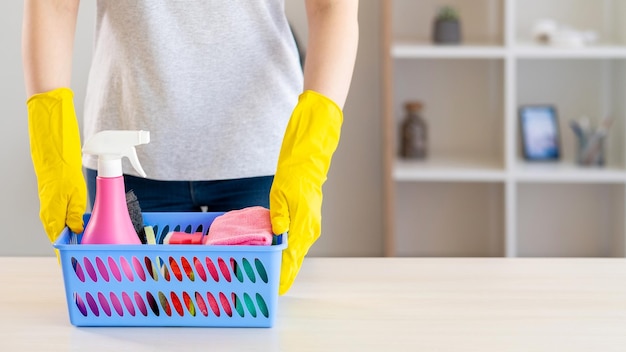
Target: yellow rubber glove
[
  {"x": 56, "y": 152},
  {"x": 310, "y": 140}
]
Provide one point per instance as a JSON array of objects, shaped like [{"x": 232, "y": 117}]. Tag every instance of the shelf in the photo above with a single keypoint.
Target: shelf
[
  {"x": 592, "y": 87},
  {"x": 458, "y": 219},
  {"x": 412, "y": 49},
  {"x": 605, "y": 18},
  {"x": 404, "y": 49},
  {"x": 465, "y": 135},
  {"x": 448, "y": 169},
  {"x": 532, "y": 51},
  {"x": 475, "y": 195},
  {"x": 570, "y": 220},
  {"x": 567, "y": 172},
  {"x": 482, "y": 20}
]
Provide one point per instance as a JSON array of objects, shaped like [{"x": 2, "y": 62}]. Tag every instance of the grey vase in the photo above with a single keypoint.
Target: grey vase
[{"x": 447, "y": 32}]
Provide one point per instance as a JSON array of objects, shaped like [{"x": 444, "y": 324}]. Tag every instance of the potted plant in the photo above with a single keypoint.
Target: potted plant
[{"x": 447, "y": 26}]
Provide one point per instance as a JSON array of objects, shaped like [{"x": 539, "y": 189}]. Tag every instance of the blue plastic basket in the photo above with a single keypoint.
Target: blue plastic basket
[{"x": 171, "y": 285}]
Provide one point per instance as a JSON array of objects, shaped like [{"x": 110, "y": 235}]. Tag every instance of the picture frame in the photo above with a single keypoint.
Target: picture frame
[{"x": 540, "y": 134}]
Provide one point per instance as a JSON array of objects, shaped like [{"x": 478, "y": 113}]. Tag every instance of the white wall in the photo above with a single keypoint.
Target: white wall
[{"x": 352, "y": 213}]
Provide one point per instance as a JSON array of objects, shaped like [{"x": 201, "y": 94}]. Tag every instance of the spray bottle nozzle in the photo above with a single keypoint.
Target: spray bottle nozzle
[{"x": 112, "y": 146}]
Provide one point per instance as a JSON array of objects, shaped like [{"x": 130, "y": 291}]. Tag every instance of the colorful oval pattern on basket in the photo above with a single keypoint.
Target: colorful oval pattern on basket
[
  {"x": 212, "y": 270},
  {"x": 260, "y": 269},
  {"x": 80, "y": 304},
  {"x": 104, "y": 304},
  {"x": 139, "y": 269},
  {"x": 92, "y": 304},
  {"x": 224, "y": 268},
  {"x": 151, "y": 268},
  {"x": 152, "y": 303},
  {"x": 102, "y": 268},
  {"x": 165, "y": 304},
  {"x": 201, "y": 305},
  {"x": 201, "y": 288},
  {"x": 114, "y": 269},
  {"x": 126, "y": 269},
  {"x": 140, "y": 304},
  {"x": 199, "y": 269},
  {"x": 248, "y": 269},
  {"x": 213, "y": 304},
  {"x": 90, "y": 270},
  {"x": 78, "y": 270},
  {"x": 115, "y": 302},
  {"x": 187, "y": 268},
  {"x": 128, "y": 303}
]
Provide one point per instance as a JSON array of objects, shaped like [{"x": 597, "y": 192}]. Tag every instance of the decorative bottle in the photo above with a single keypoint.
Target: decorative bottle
[{"x": 414, "y": 132}]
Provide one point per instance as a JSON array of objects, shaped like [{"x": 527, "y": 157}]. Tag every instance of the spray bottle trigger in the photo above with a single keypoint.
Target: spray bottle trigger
[{"x": 131, "y": 154}]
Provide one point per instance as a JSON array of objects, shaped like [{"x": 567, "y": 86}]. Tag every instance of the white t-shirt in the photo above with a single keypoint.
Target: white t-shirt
[{"x": 214, "y": 82}]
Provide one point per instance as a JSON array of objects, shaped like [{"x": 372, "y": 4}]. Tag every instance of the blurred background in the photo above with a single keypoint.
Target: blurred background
[{"x": 473, "y": 128}]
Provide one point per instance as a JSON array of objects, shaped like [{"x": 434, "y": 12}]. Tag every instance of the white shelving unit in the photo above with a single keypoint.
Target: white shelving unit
[{"x": 475, "y": 195}]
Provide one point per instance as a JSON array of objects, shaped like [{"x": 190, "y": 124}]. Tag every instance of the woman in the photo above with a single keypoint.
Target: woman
[{"x": 233, "y": 120}]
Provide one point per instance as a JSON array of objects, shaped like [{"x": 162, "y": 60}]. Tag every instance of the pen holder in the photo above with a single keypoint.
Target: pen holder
[{"x": 591, "y": 152}]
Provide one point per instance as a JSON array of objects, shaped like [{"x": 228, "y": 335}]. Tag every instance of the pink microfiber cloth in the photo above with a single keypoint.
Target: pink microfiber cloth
[{"x": 247, "y": 226}]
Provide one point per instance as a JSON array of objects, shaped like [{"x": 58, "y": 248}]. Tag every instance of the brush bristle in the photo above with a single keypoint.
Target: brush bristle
[{"x": 134, "y": 210}]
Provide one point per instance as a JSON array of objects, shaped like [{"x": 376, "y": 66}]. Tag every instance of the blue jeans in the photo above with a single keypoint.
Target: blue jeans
[{"x": 187, "y": 196}]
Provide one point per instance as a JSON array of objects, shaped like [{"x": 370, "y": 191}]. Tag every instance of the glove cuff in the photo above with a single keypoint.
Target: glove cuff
[
  {"x": 53, "y": 129},
  {"x": 312, "y": 135},
  {"x": 53, "y": 95}
]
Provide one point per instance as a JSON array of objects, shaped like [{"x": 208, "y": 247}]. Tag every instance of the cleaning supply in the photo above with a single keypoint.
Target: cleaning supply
[
  {"x": 55, "y": 151},
  {"x": 247, "y": 226},
  {"x": 110, "y": 222},
  {"x": 150, "y": 236},
  {"x": 134, "y": 211},
  {"x": 178, "y": 237}
]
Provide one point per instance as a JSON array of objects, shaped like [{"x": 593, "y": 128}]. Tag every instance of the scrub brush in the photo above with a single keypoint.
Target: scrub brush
[{"x": 134, "y": 210}]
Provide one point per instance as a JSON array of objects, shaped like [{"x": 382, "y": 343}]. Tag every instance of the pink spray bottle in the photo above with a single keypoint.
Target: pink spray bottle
[{"x": 110, "y": 222}]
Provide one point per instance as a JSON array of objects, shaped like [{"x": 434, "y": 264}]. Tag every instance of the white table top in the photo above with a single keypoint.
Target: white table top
[{"x": 363, "y": 304}]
